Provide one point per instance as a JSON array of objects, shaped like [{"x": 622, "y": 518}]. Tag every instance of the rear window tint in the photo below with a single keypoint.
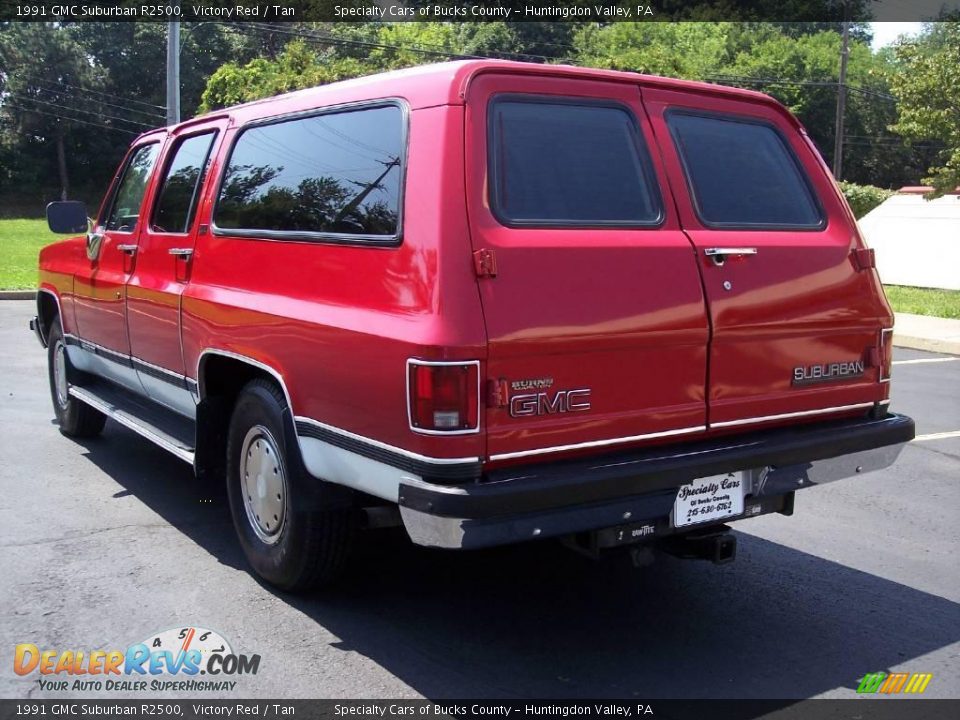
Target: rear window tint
[
  {"x": 742, "y": 174},
  {"x": 561, "y": 163},
  {"x": 336, "y": 173}
]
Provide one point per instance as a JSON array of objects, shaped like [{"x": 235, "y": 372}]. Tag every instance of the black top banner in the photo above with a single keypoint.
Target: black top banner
[{"x": 597, "y": 11}]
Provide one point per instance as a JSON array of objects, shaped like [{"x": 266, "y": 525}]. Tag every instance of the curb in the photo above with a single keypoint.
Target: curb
[
  {"x": 18, "y": 294},
  {"x": 947, "y": 347}
]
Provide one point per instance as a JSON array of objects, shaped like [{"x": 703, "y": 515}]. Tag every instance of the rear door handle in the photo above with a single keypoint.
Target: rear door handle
[
  {"x": 183, "y": 253},
  {"x": 720, "y": 255},
  {"x": 129, "y": 249}
]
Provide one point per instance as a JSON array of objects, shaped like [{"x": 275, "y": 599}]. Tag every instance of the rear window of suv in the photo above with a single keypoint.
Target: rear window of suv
[
  {"x": 569, "y": 163},
  {"x": 742, "y": 174},
  {"x": 324, "y": 176}
]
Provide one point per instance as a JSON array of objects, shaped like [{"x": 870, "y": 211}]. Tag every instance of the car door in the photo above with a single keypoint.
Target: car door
[
  {"x": 795, "y": 316},
  {"x": 163, "y": 262},
  {"x": 100, "y": 285},
  {"x": 595, "y": 314}
]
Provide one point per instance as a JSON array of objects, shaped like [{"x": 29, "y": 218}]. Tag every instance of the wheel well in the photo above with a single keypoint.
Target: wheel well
[
  {"x": 220, "y": 380},
  {"x": 47, "y": 310},
  {"x": 224, "y": 377}
]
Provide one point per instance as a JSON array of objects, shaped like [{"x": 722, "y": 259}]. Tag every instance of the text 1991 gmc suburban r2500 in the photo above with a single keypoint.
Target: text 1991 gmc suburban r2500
[{"x": 491, "y": 301}]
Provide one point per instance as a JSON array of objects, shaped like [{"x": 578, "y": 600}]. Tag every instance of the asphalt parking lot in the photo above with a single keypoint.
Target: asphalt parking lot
[{"x": 106, "y": 542}]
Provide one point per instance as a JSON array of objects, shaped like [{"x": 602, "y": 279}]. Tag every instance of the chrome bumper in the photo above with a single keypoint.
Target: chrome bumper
[{"x": 531, "y": 507}]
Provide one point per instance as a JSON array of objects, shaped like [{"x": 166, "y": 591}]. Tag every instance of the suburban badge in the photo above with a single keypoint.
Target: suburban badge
[{"x": 827, "y": 372}]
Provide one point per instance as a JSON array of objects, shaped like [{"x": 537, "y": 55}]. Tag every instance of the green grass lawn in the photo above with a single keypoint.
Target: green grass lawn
[
  {"x": 923, "y": 301},
  {"x": 20, "y": 241}
]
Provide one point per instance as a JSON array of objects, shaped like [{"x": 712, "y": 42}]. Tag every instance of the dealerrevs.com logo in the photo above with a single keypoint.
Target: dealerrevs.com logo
[{"x": 189, "y": 659}]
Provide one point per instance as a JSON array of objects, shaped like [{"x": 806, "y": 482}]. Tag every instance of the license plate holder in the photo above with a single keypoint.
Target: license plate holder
[{"x": 709, "y": 499}]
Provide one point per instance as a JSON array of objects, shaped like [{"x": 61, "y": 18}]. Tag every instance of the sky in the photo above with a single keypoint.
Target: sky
[{"x": 885, "y": 33}]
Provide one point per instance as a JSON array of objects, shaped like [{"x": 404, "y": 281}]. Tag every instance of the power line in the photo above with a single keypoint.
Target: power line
[
  {"x": 33, "y": 78},
  {"x": 69, "y": 119},
  {"x": 68, "y": 96},
  {"x": 800, "y": 83},
  {"x": 316, "y": 39},
  {"x": 320, "y": 38},
  {"x": 84, "y": 112}
]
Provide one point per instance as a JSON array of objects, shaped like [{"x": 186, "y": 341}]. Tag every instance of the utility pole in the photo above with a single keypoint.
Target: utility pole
[
  {"x": 841, "y": 100},
  {"x": 173, "y": 73}
]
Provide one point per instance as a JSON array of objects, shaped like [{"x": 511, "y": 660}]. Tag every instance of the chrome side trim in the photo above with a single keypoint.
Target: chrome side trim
[
  {"x": 165, "y": 371},
  {"x": 385, "y": 446},
  {"x": 440, "y": 363},
  {"x": 129, "y": 422},
  {"x": 785, "y": 416},
  {"x": 343, "y": 467},
  {"x": 56, "y": 299},
  {"x": 242, "y": 358},
  {"x": 599, "y": 443}
]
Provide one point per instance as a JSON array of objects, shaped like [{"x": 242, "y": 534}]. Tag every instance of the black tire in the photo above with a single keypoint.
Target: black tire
[
  {"x": 295, "y": 543},
  {"x": 76, "y": 418}
]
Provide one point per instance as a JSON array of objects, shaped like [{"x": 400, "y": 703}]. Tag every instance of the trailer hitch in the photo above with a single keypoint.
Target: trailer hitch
[{"x": 715, "y": 544}]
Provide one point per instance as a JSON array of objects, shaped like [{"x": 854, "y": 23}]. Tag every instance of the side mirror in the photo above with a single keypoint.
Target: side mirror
[{"x": 67, "y": 217}]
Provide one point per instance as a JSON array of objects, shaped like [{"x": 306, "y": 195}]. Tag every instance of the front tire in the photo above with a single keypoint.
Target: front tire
[
  {"x": 291, "y": 540},
  {"x": 76, "y": 418}
]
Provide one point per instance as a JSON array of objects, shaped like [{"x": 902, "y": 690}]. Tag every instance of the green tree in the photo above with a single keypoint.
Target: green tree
[
  {"x": 298, "y": 66},
  {"x": 927, "y": 86},
  {"x": 44, "y": 125},
  {"x": 691, "y": 50}
]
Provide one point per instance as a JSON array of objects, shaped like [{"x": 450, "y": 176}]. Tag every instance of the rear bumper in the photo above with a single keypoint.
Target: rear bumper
[{"x": 638, "y": 488}]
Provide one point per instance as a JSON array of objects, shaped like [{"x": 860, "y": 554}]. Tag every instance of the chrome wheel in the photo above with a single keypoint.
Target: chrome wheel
[
  {"x": 60, "y": 374},
  {"x": 264, "y": 484}
]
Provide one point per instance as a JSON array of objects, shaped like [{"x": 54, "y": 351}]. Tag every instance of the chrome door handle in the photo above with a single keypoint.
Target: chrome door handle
[
  {"x": 184, "y": 253},
  {"x": 720, "y": 255},
  {"x": 129, "y": 249}
]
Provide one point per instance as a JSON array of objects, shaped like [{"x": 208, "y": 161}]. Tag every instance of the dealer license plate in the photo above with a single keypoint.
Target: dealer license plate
[{"x": 709, "y": 499}]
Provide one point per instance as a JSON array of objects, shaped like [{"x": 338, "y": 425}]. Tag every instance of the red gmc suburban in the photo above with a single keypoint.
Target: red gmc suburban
[{"x": 489, "y": 301}]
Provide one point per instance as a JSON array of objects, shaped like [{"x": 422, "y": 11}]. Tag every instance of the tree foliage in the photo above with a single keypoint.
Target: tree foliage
[
  {"x": 927, "y": 86},
  {"x": 87, "y": 88}
]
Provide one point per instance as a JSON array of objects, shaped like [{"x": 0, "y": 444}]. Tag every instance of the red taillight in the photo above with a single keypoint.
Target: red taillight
[
  {"x": 444, "y": 397},
  {"x": 886, "y": 354}
]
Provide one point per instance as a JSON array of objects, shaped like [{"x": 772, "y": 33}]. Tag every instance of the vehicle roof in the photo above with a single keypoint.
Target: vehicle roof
[{"x": 446, "y": 83}]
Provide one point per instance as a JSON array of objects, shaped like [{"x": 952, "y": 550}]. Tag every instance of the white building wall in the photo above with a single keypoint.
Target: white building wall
[{"x": 917, "y": 242}]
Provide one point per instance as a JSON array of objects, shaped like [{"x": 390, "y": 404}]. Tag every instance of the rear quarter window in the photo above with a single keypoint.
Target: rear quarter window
[
  {"x": 742, "y": 174},
  {"x": 569, "y": 163},
  {"x": 332, "y": 175}
]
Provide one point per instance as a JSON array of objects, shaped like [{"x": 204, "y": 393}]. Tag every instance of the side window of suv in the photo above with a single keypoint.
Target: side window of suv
[
  {"x": 177, "y": 199},
  {"x": 557, "y": 163},
  {"x": 741, "y": 173},
  {"x": 125, "y": 208},
  {"x": 333, "y": 174}
]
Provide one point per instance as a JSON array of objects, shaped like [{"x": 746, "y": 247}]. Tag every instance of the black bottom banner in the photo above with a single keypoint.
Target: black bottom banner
[{"x": 854, "y": 709}]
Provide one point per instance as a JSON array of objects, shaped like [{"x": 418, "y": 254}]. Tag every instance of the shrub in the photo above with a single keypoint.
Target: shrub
[{"x": 863, "y": 198}]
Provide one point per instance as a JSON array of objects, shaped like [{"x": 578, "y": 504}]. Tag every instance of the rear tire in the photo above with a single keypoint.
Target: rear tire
[
  {"x": 76, "y": 418},
  {"x": 291, "y": 540}
]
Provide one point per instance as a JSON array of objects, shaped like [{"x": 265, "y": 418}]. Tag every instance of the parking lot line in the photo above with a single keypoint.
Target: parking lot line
[
  {"x": 937, "y": 436},
  {"x": 919, "y": 361}
]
